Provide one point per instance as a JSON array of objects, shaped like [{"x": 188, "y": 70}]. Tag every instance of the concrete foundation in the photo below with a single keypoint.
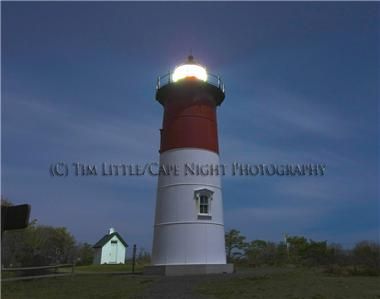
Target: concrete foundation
[{"x": 196, "y": 269}]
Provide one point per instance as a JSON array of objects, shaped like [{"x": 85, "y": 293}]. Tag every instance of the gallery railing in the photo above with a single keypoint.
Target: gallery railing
[{"x": 211, "y": 79}]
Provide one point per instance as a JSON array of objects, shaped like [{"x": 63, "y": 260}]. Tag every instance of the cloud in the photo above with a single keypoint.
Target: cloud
[
  {"x": 69, "y": 133},
  {"x": 272, "y": 112}
]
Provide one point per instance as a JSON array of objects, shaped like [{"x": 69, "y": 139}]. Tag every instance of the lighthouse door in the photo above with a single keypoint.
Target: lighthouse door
[{"x": 113, "y": 252}]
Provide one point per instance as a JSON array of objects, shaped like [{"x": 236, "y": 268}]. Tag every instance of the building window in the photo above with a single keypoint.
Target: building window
[
  {"x": 203, "y": 204},
  {"x": 203, "y": 198}
]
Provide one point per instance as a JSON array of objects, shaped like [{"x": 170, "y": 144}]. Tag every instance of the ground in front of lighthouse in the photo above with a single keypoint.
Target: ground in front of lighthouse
[{"x": 263, "y": 282}]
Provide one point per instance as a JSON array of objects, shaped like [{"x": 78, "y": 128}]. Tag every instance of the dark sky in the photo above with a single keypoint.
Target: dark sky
[{"x": 302, "y": 86}]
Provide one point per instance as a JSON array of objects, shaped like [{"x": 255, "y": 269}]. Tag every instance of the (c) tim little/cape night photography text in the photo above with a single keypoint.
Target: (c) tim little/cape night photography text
[{"x": 63, "y": 169}]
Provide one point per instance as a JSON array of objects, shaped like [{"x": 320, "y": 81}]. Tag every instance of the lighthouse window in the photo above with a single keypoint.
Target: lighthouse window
[
  {"x": 203, "y": 199},
  {"x": 204, "y": 204}
]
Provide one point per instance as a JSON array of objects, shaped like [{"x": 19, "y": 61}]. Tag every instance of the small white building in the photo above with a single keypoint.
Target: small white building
[{"x": 111, "y": 249}]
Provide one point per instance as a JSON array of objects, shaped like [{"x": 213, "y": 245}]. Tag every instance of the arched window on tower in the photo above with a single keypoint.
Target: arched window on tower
[{"x": 203, "y": 198}]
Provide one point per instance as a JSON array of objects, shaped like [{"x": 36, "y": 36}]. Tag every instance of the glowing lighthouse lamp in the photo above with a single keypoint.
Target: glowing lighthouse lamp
[
  {"x": 188, "y": 227},
  {"x": 190, "y": 71}
]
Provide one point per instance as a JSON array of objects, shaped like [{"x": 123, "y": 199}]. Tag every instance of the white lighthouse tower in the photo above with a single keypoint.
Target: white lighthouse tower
[{"x": 188, "y": 227}]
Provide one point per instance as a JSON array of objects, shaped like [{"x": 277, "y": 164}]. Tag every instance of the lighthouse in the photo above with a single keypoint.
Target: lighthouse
[{"x": 188, "y": 226}]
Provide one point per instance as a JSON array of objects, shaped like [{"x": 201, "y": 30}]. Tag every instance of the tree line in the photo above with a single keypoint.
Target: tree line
[
  {"x": 39, "y": 245},
  {"x": 363, "y": 258}
]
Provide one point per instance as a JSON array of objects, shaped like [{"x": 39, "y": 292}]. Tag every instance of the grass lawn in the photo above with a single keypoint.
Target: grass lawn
[
  {"x": 77, "y": 286},
  {"x": 266, "y": 282},
  {"x": 291, "y": 284}
]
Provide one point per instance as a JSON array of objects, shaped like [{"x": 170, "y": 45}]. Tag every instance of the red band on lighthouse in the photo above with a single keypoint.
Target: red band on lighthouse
[{"x": 189, "y": 123}]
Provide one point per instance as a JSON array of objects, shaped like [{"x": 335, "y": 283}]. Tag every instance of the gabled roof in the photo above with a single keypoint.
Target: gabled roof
[{"x": 108, "y": 237}]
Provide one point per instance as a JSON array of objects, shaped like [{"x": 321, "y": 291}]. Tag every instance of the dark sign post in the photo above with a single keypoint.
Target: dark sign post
[
  {"x": 133, "y": 258},
  {"x": 14, "y": 217}
]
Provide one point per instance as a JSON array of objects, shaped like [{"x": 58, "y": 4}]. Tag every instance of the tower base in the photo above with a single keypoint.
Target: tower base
[{"x": 195, "y": 269}]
